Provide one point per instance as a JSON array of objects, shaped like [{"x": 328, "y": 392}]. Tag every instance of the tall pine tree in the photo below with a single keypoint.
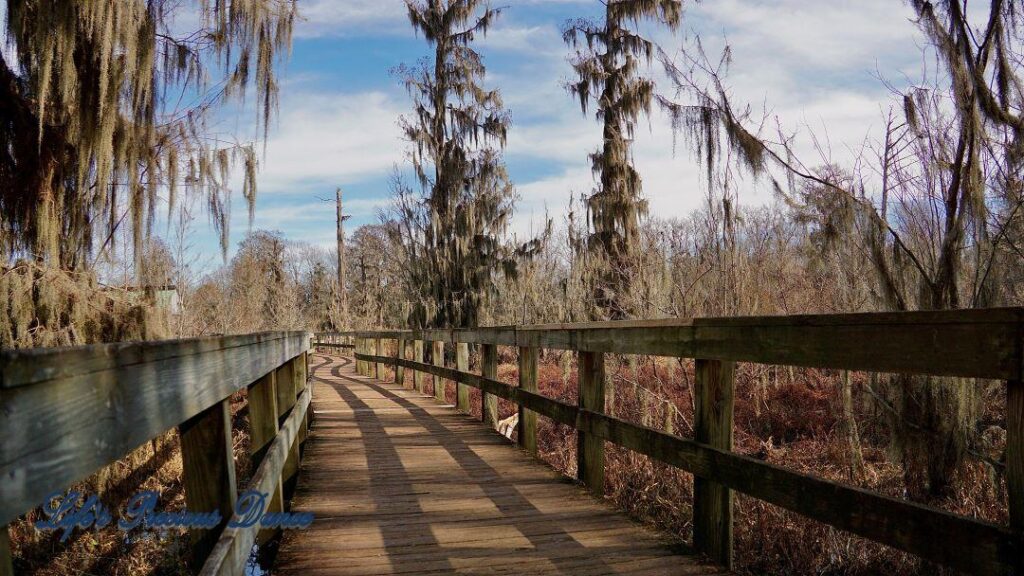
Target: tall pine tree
[
  {"x": 454, "y": 230},
  {"x": 607, "y": 62},
  {"x": 104, "y": 104}
]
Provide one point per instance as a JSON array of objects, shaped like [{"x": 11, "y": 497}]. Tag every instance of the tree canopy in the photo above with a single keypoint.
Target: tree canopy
[
  {"x": 104, "y": 107},
  {"x": 454, "y": 235}
]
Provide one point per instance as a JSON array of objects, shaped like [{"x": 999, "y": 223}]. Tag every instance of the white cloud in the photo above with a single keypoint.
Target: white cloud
[
  {"x": 344, "y": 17},
  {"x": 537, "y": 40},
  {"x": 332, "y": 138},
  {"x": 839, "y": 35},
  {"x": 812, "y": 64}
]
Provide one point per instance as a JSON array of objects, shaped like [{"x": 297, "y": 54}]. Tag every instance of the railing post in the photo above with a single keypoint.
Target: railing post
[
  {"x": 712, "y": 502},
  {"x": 590, "y": 450},
  {"x": 286, "y": 397},
  {"x": 6, "y": 559},
  {"x": 378, "y": 350},
  {"x": 528, "y": 381},
  {"x": 367, "y": 370},
  {"x": 417, "y": 376},
  {"x": 439, "y": 361},
  {"x": 263, "y": 429},
  {"x": 400, "y": 370},
  {"x": 359, "y": 350},
  {"x": 489, "y": 369},
  {"x": 462, "y": 365},
  {"x": 366, "y": 350},
  {"x": 355, "y": 342},
  {"x": 209, "y": 471},
  {"x": 1015, "y": 453},
  {"x": 299, "y": 370}
]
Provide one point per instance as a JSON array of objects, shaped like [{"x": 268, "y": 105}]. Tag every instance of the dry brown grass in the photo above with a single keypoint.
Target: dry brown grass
[
  {"x": 786, "y": 417},
  {"x": 43, "y": 306}
]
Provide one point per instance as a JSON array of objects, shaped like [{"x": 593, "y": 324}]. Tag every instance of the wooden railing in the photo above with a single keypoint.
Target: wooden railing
[
  {"x": 333, "y": 340},
  {"x": 986, "y": 344},
  {"x": 65, "y": 413}
]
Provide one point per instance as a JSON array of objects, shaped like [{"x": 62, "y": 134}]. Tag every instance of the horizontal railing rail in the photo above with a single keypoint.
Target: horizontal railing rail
[
  {"x": 987, "y": 344},
  {"x": 982, "y": 343},
  {"x": 333, "y": 340},
  {"x": 65, "y": 413}
]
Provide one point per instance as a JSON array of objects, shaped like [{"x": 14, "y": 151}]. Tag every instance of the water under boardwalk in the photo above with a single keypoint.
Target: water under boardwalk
[{"x": 402, "y": 484}]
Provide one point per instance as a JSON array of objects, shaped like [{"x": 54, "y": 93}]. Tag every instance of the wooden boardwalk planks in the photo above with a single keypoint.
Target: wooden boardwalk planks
[{"x": 401, "y": 484}]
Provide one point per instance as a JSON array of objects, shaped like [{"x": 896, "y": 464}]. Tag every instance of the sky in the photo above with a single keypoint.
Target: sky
[{"x": 817, "y": 66}]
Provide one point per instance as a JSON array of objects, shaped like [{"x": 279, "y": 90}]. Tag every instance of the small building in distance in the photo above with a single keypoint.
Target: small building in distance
[{"x": 164, "y": 297}]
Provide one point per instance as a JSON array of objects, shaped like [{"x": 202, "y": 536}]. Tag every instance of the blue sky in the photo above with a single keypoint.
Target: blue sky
[{"x": 816, "y": 65}]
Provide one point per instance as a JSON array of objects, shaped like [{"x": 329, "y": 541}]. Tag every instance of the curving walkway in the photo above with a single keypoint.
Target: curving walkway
[{"x": 401, "y": 484}]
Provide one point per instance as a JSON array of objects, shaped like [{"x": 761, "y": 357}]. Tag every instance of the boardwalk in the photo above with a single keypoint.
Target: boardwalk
[{"x": 401, "y": 484}]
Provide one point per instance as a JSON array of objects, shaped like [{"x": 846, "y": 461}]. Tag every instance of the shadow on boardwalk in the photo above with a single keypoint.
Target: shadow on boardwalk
[{"x": 401, "y": 484}]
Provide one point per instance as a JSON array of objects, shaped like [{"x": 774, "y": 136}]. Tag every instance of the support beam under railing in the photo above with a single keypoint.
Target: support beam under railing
[
  {"x": 462, "y": 365},
  {"x": 589, "y": 449},
  {"x": 713, "y": 426},
  {"x": 286, "y": 395},
  {"x": 400, "y": 352},
  {"x": 528, "y": 381},
  {"x": 263, "y": 429},
  {"x": 417, "y": 376},
  {"x": 438, "y": 358},
  {"x": 208, "y": 461},
  {"x": 489, "y": 369},
  {"x": 378, "y": 349}
]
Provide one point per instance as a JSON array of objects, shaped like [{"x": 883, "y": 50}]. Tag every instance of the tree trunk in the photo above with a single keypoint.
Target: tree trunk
[
  {"x": 342, "y": 292},
  {"x": 848, "y": 427},
  {"x": 934, "y": 422}
]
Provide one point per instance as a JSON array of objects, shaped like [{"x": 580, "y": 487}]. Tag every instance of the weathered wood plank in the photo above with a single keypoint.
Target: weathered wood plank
[
  {"x": 1015, "y": 452},
  {"x": 438, "y": 358},
  {"x": 378, "y": 349},
  {"x": 209, "y": 471},
  {"x": 557, "y": 411},
  {"x": 367, "y": 366},
  {"x": 22, "y": 367},
  {"x": 355, "y": 353},
  {"x": 528, "y": 383},
  {"x": 489, "y": 370},
  {"x": 963, "y": 316},
  {"x": 417, "y": 376},
  {"x": 299, "y": 371},
  {"x": 300, "y": 367},
  {"x": 462, "y": 365},
  {"x": 590, "y": 450},
  {"x": 286, "y": 398},
  {"x": 333, "y": 345},
  {"x": 970, "y": 343},
  {"x": 713, "y": 425},
  {"x": 230, "y": 554},
  {"x": 263, "y": 429},
  {"x": 80, "y": 409},
  {"x": 401, "y": 352},
  {"x": 263, "y": 413}
]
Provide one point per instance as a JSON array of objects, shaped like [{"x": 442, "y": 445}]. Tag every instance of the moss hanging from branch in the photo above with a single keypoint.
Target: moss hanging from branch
[
  {"x": 607, "y": 60},
  {"x": 455, "y": 232},
  {"x": 93, "y": 110}
]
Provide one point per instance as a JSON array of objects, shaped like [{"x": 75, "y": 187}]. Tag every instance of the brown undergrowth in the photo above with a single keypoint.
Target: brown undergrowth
[{"x": 784, "y": 416}]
